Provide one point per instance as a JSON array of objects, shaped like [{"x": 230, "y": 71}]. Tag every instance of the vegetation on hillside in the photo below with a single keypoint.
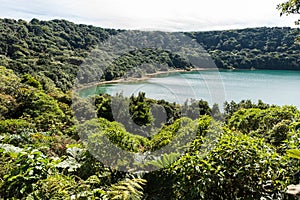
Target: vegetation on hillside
[
  {"x": 56, "y": 145},
  {"x": 46, "y": 153},
  {"x": 258, "y": 48},
  {"x": 61, "y": 52}
]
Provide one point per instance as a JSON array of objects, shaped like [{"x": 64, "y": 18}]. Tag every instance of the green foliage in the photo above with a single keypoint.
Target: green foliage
[
  {"x": 203, "y": 158},
  {"x": 238, "y": 167},
  {"x": 196, "y": 109},
  {"x": 57, "y": 51},
  {"x": 29, "y": 80},
  {"x": 294, "y": 153},
  {"x": 103, "y": 104},
  {"x": 15, "y": 126},
  {"x": 59, "y": 186},
  {"x": 29, "y": 167},
  {"x": 83, "y": 108},
  {"x": 45, "y": 112},
  {"x": 54, "y": 48},
  {"x": 46, "y": 154},
  {"x": 288, "y": 8},
  {"x": 72, "y": 162},
  {"x": 216, "y": 113},
  {"x": 259, "y": 48},
  {"x": 54, "y": 187},
  {"x": 231, "y": 107},
  {"x": 116, "y": 133},
  {"x": 165, "y": 161},
  {"x": 110, "y": 138},
  {"x": 272, "y": 123},
  {"x": 180, "y": 134},
  {"x": 169, "y": 133},
  {"x": 25, "y": 99},
  {"x": 139, "y": 115},
  {"x": 137, "y": 63},
  {"x": 128, "y": 189},
  {"x": 139, "y": 110}
]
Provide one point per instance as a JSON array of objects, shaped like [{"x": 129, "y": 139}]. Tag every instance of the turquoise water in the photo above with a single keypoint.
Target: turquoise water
[{"x": 271, "y": 86}]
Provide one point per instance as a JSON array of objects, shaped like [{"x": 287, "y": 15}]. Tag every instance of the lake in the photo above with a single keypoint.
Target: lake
[{"x": 280, "y": 87}]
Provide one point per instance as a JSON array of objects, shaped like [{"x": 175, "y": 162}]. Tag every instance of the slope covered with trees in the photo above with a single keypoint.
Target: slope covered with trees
[
  {"x": 52, "y": 51},
  {"x": 259, "y": 48},
  {"x": 54, "y": 144}
]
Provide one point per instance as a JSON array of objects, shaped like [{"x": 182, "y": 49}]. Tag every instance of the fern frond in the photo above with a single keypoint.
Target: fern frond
[{"x": 128, "y": 189}]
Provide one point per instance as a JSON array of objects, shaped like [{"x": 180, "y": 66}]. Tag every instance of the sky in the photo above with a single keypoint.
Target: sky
[{"x": 164, "y": 15}]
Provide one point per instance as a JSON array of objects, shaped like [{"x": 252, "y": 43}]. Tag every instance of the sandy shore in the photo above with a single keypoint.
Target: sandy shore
[{"x": 145, "y": 77}]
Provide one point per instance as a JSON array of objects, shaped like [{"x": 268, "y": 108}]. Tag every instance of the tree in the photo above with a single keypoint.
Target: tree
[{"x": 290, "y": 7}]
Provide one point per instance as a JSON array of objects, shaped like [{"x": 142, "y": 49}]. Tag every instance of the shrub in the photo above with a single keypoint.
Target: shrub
[
  {"x": 239, "y": 167},
  {"x": 272, "y": 123},
  {"x": 15, "y": 126}
]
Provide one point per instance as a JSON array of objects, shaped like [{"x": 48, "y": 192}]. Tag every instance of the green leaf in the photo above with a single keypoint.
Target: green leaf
[{"x": 294, "y": 153}]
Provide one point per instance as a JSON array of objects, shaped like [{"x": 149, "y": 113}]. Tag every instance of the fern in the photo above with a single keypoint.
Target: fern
[
  {"x": 128, "y": 189},
  {"x": 165, "y": 160},
  {"x": 54, "y": 187}
]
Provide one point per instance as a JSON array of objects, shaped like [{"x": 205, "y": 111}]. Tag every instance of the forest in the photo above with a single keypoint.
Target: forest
[
  {"x": 58, "y": 51},
  {"x": 260, "y": 48},
  {"x": 56, "y": 145}
]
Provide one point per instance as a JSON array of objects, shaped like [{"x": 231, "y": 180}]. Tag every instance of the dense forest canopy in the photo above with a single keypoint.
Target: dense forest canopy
[
  {"x": 59, "y": 50},
  {"x": 259, "y": 48},
  {"x": 56, "y": 145}
]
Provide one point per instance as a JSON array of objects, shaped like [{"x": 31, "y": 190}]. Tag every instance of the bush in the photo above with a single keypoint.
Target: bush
[
  {"x": 272, "y": 123},
  {"x": 239, "y": 167},
  {"x": 15, "y": 126},
  {"x": 28, "y": 168}
]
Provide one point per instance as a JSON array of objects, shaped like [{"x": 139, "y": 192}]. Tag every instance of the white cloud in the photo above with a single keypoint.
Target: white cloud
[{"x": 155, "y": 14}]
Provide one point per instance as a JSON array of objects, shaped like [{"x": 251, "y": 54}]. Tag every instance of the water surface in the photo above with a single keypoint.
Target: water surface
[{"x": 279, "y": 87}]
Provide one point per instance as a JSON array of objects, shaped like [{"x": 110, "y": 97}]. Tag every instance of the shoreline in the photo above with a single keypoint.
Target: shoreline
[
  {"x": 143, "y": 78},
  {"x": 151, "y": 75}
]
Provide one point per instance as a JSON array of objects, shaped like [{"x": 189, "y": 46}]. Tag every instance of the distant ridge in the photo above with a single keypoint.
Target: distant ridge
[{"x": 53, "y": 50}]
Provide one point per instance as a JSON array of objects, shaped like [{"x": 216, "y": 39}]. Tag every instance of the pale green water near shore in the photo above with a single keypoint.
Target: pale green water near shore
[{"x": 272, "y": 86}]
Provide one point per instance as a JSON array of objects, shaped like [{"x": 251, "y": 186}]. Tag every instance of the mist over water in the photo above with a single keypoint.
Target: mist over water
[{"x": 280, "y": 87}]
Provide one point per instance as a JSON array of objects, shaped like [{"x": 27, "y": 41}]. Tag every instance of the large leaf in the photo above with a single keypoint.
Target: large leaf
[{"x": 294, "y": 153}]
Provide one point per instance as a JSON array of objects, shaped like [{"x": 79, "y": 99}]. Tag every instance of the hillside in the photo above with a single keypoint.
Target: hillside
[
  {"x": 56, "y": 145},
  {"x": 259, "y": 48},
  {"x": 52, "y": 51}
]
